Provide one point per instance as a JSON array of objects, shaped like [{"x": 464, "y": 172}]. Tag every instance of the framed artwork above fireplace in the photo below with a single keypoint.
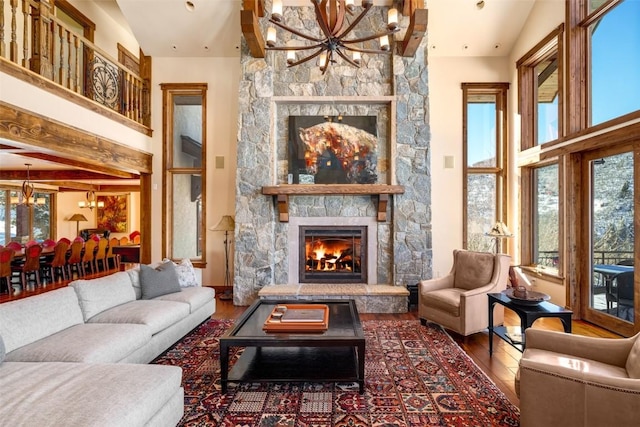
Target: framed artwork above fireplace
[{"x": 333, "y": 150}]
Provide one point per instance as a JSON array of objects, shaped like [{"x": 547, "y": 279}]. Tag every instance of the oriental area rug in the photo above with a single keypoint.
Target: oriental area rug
[{"x": 415, "y": 375}]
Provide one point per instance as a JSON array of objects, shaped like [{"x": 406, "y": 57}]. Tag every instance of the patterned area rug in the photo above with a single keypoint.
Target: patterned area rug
[{"x": 414, "y": 376}]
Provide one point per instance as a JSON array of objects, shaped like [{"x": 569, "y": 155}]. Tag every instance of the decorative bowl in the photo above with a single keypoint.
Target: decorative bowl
[{"x": 531, "y": 297}]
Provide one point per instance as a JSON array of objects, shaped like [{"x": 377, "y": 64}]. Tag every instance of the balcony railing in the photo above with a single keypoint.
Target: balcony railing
[{"x": 42, "y": 43}]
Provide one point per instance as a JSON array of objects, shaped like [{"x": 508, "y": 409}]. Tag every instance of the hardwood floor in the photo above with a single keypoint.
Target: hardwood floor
[{"x": 501, "y": 367}]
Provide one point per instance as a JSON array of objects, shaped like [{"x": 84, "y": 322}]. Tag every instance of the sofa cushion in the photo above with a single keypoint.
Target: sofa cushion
[
  {"x": 103, "y": 293},
  {"x": 473, "y": 269},
  {"x": 29, "y": 319},
  {"x": 195, "y": 297},
  {"x": 157, "y": 315},
  {"x": 82, "y": 394},
  {"x": 158, "y": 281},
  {"x": 88, "y": 342},
  {"x": 633, "y": 360},
  {"x": 447, "y": 300}
]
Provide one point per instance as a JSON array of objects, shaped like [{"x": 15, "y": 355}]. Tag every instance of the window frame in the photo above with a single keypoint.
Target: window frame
[
  {"x": 169, "y": 92},
  {"x": 500, "y": 91}
]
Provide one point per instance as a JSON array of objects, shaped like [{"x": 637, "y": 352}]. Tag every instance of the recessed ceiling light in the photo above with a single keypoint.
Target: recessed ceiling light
[
  {"x": 174, "y": 47},
  {"x": 497, "y": 46},
  {"x": 189, "y": 6},
  {"x": 480, "y": 4},
  {"x": 206, "y": 48}
]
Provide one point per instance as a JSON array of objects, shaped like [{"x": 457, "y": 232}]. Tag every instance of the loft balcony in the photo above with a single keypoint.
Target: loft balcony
[{"x": 41, "y": 49}]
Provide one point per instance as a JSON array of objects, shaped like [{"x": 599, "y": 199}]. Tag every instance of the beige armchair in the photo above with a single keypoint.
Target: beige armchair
[
  {"x": 572, "y": 380},
  {"x": 458, "y": 301}
]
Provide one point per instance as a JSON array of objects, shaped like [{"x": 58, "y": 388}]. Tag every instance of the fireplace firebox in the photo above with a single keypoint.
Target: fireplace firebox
[{"x": 333, "y": 254}]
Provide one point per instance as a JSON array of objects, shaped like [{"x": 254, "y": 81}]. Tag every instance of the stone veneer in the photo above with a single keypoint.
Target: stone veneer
[{"x": 269, "y": 93}]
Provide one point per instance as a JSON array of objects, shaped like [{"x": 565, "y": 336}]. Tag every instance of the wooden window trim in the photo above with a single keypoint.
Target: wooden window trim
[
  {"x": 88, "y": 25},
  {"x": 169, "y": 90},
  {"x": 500, "y": 90}
]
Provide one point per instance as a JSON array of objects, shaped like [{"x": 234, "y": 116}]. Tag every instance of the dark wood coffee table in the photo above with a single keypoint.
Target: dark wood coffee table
[{"x": 336, "y": 354}]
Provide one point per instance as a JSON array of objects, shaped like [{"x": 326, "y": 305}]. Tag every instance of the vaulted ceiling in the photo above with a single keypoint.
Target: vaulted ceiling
[{"x": 166, "y": 28}]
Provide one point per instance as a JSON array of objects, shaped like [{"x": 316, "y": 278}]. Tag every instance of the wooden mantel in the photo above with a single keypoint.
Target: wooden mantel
[{"x": 282, "y": 193}]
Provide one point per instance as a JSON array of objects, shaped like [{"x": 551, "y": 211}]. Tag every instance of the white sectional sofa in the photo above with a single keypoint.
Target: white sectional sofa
[{"x": 76, "y": 356}]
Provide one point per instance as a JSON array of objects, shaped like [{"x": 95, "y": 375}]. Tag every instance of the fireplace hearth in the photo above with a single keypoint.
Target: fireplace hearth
[{"x": 333, "y": 254}]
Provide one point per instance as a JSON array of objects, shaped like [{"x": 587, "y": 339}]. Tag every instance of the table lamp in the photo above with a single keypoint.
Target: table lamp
[
  {"x": 226, "y": 224},
  {"x": 498, "y": 232},
  {"x": 77, "y": 218}
]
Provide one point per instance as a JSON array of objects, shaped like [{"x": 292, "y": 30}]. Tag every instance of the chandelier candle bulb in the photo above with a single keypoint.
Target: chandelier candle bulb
[
  {"x": 276, "y": 10},
  {"x": 349, "y": 4},
  {"x": 291, "y": 57},
  {"x": 384, "y": 42},
  {"x": 271, "y": 36},
  {"x": 357, "y": 57},
  {"x": 392, "y": 19}
]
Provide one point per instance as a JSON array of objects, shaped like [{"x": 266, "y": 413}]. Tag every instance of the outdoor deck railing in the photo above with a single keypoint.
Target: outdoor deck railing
[{"x": 40, "y": 42}]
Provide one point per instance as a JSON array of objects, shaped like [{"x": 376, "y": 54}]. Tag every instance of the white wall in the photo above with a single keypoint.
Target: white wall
[
  {"x": 222, "y": 77},
  {"x": 446, "y": 74}
]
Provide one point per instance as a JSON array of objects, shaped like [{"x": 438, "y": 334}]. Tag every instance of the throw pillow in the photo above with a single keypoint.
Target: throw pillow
[
  {"x": 159, "y": 281},
  {"x": 186, "y": 273}
]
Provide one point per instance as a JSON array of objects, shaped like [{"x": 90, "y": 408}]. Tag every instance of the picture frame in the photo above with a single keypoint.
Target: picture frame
[{"x": 114, "y": 213}]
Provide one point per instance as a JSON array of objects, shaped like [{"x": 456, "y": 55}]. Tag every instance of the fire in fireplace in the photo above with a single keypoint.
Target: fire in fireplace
[{"x": 331, "y": 254}]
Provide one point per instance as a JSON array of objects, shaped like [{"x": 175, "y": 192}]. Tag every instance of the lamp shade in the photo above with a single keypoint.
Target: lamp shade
[
  {"x": 500, "y": 229},
  {"x": 77, "y": 217},
  {"x": 226, "y": 224}
]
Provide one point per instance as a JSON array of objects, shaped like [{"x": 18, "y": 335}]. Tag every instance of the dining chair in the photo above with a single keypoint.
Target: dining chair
[
  {"x": 124, "y": 240},
  {"x": 101, "y": 255},
  {"x": 74, "y": 262},
  {"x": 89, "y": 256},
  {"x": 111, "y": 257},
  {"x": 58, "y": 265},
  {"x": 31, "y": 267},
  {"x": 64, "y": 239},
  {"x": 6, "y": 256},
  {"x": 17, "y": 247},
  {"x": 30, "y": 243},
  {"x": 49, "y": 243}
]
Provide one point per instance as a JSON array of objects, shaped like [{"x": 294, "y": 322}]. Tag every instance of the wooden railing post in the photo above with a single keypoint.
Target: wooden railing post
[{"x": 41, "y": 57}]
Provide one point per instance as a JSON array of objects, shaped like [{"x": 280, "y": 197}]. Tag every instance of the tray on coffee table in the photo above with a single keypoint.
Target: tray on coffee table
[{"x": 298, "y": 318}]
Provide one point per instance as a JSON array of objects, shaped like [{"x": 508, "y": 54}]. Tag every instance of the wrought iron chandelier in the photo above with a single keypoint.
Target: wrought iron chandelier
[
  {"x": 27, "y": 195},
  {"x": 335, "y": 29},
  {"x": 91, "y": 202}
]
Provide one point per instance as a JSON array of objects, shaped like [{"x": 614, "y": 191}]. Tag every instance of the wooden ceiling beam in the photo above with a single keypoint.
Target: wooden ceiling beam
[
  {"x": 28, "y": 130},
  {"x": 251, "y": 31},
  {"x": 101, "y": 169},
  {"x": 59, "y": 175},
  {"x": 415, "y": 32}
]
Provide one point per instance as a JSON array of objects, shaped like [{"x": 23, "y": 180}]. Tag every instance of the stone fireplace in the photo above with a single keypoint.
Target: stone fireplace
[{"x": 397, "y": 227}]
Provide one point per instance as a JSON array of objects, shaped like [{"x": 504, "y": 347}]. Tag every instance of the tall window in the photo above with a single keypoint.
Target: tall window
[
  {"x": 540, "y": 90},
  {"x": 546, "y": 218},
  {"x": 615, "y": 61},
  {"x": 485, "y": 159},
  {"x": 184, "y": 137}
]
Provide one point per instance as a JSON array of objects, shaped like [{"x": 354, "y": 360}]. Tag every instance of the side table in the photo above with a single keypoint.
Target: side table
[{"x": 528, "y": 314}]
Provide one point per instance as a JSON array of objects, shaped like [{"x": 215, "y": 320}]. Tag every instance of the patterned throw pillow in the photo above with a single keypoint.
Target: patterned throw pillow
[{"x": 186, "y": 273}]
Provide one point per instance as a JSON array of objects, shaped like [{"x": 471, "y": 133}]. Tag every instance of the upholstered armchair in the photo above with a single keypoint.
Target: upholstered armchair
[
  {"x": 571, "y": 380},
  {"x": 458, "y": 301}
]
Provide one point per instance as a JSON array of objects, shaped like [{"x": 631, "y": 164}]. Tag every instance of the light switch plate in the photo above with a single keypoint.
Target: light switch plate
[
  {"x": 448, "y": 162},
  {"x": 219, "y": 162}
]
